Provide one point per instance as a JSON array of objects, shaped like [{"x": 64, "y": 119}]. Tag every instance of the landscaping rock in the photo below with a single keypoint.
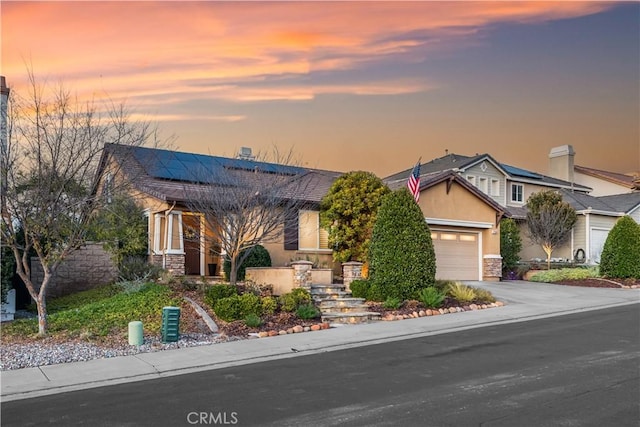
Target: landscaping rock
[{"x": 297, "y": 329}]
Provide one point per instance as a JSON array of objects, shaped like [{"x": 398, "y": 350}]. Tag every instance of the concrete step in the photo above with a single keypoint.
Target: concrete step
[
  {"x": 330, "y": 296},
  {"x": 351, "y": 318},
  {"x": 326, "y": 289},
  {"x": 345, "y": 309},
  {"x": 341, "y": 302}
]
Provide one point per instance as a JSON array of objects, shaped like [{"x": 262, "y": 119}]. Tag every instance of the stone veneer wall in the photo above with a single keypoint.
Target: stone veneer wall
[
  {"x": 351, "y": 271},
  {"x": 492, "y": 267},
  {"x": 302, "y": 274},
  {"x": 175, "y": 264},
  {"x": 86, "y": 268}
]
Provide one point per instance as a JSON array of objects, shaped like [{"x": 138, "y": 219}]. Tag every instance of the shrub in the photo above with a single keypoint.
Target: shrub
[
  {"x": 252, "y": 320},
  {"x": 257, "y": 256},
  {"x": 228, "y": 309},
  {"x": 401, "y": 252},
  {"x": 376, "y": 292},
  {"x": 392, "y": 303},
  {"x": 250, "y": 304},
  {"x": 133, "y": 268},
  {"x": 621, "y": 253},
  {"x": 292, "y": 300},
  {"x": 431, "y": 297},
  {"x": 216, "y": 292},
  {"x": 269, "y": 305},
  {"x": 307, "y": 311},
  {"x": 360, "y": 288},
  {"x": 461, "y": 292},
  {"x": 510, "y": 244},
  {"x": 483, "y": 295},
  {"x": 558, "y": 275}
]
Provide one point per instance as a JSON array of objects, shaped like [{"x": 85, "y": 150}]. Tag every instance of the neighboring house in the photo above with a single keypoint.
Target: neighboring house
[
  {"x": 464, "y": 223},
  {"x": 163, "y": 183},
  {"x": 602, "y": 183},
  {"x": 596, "y": 218},
  {"x": 510, "y": 187},
  {"x": 605, "y": 183}
]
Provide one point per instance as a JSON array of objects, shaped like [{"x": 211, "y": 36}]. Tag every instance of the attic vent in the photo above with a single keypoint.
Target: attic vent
[{"x": 245, "y": 154}]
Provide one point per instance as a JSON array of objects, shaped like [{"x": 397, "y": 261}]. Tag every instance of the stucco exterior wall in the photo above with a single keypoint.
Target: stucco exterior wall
[{"x": 462, "y": 205}]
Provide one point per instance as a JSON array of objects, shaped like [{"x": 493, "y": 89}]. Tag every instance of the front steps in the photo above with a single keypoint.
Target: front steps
[{"x": 338, "y": 306}]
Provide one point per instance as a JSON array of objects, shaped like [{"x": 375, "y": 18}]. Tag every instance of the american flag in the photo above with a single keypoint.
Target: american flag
[{"x": 414, "y": 182}]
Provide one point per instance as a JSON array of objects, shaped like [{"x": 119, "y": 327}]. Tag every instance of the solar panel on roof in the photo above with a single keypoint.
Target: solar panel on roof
[
  {"x": 520, "y": 172},
  {"x": 191, "y": 167}
]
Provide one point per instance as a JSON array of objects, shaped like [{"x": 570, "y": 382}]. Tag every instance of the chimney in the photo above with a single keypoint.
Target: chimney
[
  {"x": 245, "y": 154},
  {"x": 561, "y": 162}
]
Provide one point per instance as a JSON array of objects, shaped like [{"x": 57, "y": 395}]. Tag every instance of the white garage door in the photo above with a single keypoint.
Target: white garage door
[
  {"x": 598, "y": 237},
  {"x": 457, "y": 255}
]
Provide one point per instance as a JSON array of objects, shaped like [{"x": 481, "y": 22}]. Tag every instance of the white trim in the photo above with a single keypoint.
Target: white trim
[
  {"x": 520, "y": 202},
  {"x": 458, "y": 223},
  {"x": 169, "y": 234},
  {"x": 157, "y": 218},
  {"x": 587, "y": 238},
  {"x": 598, "y": 212},
  {"x": 202, "y": 245}
]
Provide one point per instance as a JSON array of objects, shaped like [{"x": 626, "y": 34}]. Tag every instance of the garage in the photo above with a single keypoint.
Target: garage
[{"x": 457, "y": 254}]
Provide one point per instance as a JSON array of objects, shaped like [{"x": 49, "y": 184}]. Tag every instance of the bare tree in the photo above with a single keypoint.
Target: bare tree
[
  {"x": 550, "y": 221},
  {"x": 250, "y": 202},
  {"x": 49, "y": 164}
]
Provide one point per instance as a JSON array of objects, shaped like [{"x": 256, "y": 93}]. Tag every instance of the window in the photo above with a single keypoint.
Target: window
[
  {"x": 495, "y": 187},
  {"x": 483, "y": 185},
  {"x": 168, "y": 233},
  {"x": 311, "y": 236},
  {"x": 516, "y": 193},
  {"x": 471, "y": 179}
]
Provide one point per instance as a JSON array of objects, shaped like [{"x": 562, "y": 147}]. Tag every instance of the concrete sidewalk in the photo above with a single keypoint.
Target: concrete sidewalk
[{"x": 524, "y": 301}]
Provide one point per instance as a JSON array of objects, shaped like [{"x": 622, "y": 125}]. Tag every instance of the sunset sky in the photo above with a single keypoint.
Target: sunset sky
[{"x": 352, "y": 86}]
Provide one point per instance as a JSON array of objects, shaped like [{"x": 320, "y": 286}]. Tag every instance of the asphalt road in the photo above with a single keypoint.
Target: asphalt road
[{"x": 575, "y": 370}]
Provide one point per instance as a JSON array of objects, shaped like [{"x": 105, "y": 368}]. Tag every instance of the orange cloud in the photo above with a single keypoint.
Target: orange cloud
[{"x": 140, "y": 50}]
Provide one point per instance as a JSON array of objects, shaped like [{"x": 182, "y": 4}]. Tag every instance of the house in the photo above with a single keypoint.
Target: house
[
  {"x": 602, "y": 183},
  {"x": 510, "y": 187},
  {"x": 596, "y": 218},
  {"x": 464, "y": 224},
  {"x": 166, "y": 183}
]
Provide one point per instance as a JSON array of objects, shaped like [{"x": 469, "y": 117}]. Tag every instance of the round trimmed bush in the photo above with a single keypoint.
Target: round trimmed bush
[
  {"x": 258, "y": 257},
  {"x": 621, "y": 253},
  {"x": 401, "y": 252}
]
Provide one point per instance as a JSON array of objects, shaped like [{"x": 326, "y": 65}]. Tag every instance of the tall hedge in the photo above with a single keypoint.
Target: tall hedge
[
  {"x": 401, "y": 252},
  {"x": 621, "y": 253}
]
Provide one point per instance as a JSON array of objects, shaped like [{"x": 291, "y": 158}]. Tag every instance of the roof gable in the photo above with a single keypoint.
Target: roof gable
[{"x": 627, "y": 181}]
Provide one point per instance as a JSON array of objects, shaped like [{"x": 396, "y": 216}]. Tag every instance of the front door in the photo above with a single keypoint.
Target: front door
[{"x": 191, "y": 230}]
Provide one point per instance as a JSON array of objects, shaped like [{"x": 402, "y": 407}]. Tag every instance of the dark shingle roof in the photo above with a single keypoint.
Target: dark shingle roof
[
  {"x": 457, "y": 161},
  {"x": 177, "y": 176}
]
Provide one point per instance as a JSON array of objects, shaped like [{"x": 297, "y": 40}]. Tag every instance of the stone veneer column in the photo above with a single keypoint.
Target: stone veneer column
[
  {"x": 492, "y": 267},
  {"x": 351, "y": 271},
  {"x": 302, "y": 274},
  {"x": 175, "y": 264}
]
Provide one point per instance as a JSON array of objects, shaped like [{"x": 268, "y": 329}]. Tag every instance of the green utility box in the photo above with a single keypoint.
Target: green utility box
[{"x": 170, "y": 324}]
